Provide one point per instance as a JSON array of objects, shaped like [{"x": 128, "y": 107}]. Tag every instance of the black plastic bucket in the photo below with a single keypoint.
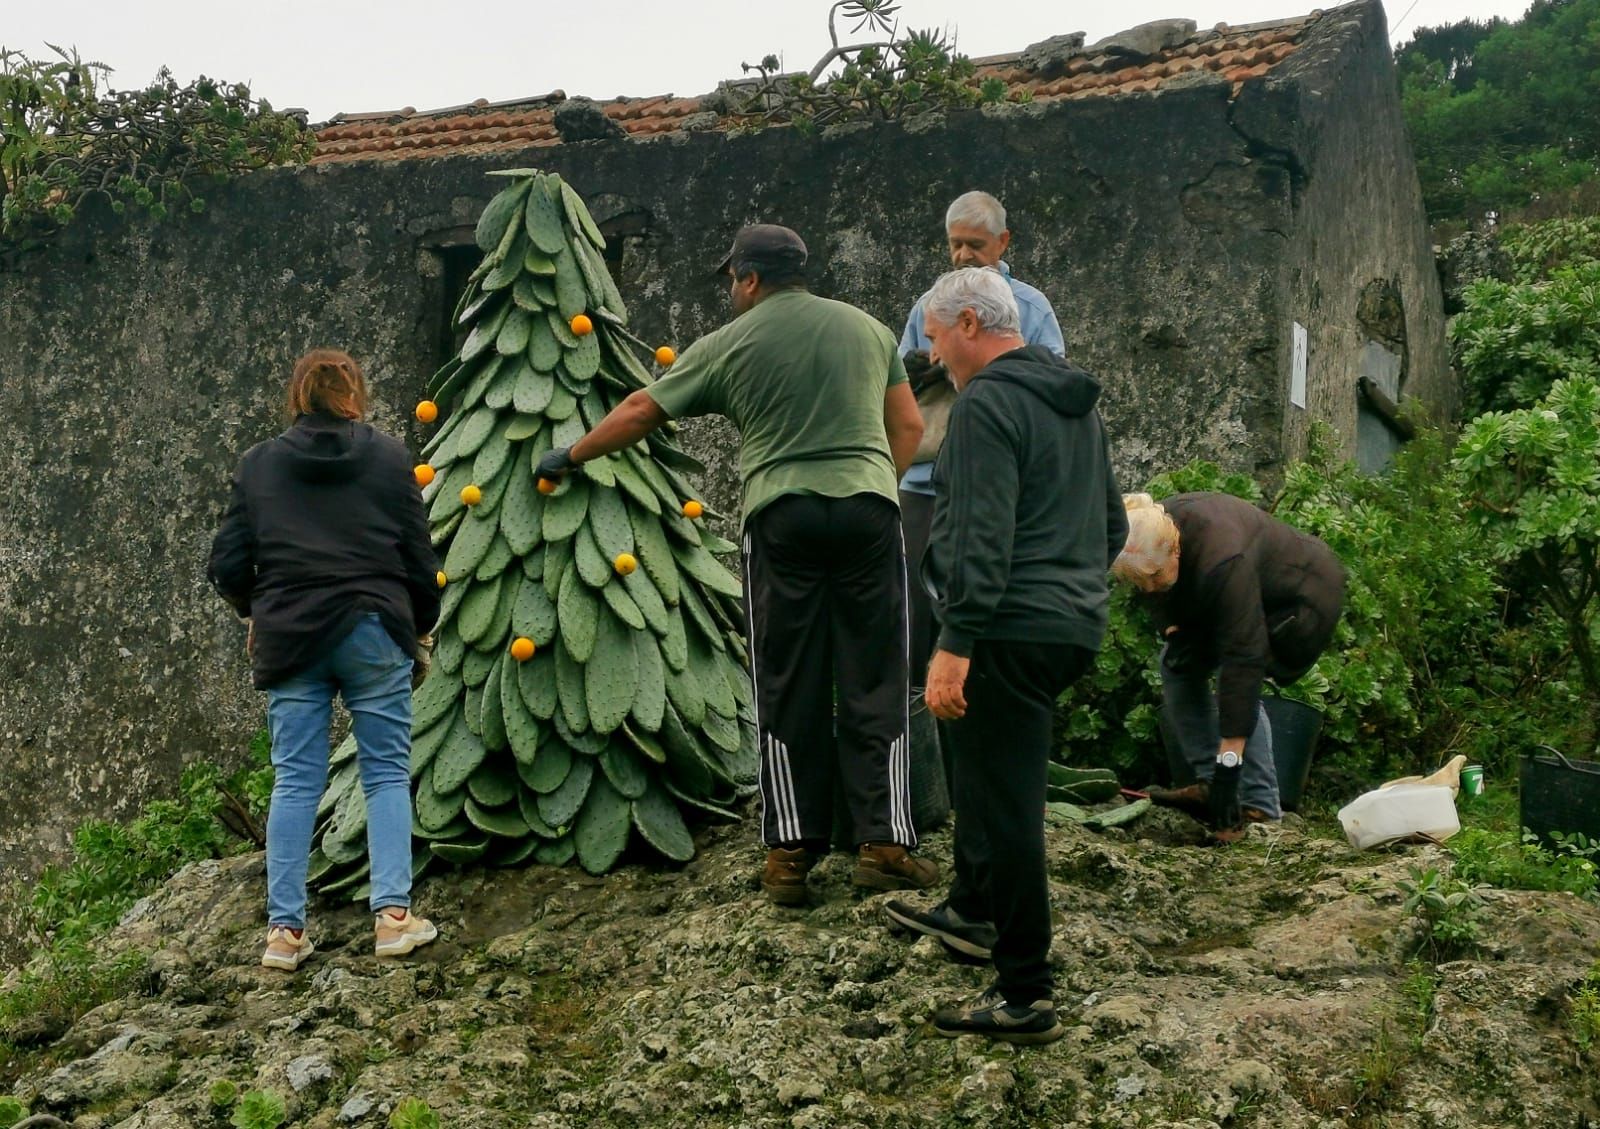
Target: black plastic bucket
[{"x": 1295, "y": 727}]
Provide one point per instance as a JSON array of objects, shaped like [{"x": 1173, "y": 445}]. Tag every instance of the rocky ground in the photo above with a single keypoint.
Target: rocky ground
[{"x": 1269, "y": 984}]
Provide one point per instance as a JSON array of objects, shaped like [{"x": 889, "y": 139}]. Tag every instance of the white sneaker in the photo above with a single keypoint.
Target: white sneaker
[
  {"x": 398, "y": 935},
  {"x": 284, "y": 950}
]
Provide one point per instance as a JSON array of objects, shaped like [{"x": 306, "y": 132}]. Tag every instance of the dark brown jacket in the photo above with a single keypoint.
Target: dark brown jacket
[{"x": 1254, "y": 597}]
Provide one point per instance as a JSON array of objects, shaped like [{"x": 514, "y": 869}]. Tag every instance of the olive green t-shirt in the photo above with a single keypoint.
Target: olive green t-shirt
[{"x": 803, "y": 378}]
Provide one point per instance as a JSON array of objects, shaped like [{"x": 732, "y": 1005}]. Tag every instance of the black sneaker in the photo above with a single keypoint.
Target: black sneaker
[
  {"x": 973, "y": 939},
  {"x": 990, "y": 1016}
]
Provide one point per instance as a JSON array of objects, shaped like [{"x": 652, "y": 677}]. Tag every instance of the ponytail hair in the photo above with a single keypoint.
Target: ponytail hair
[{"x": 327, "y": 380}]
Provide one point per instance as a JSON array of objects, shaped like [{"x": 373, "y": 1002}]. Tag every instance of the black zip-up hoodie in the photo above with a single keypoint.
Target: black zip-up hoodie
[
  {"x": 1028, "y": 516},
  {"x": 325, "y": 523}
]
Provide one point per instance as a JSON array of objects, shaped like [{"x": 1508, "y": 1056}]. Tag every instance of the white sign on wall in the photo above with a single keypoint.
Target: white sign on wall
[{"x": 1297, "y": 372}]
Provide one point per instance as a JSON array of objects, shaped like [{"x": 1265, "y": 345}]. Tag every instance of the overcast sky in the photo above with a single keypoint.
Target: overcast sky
[{"x": 330, "y": 56}]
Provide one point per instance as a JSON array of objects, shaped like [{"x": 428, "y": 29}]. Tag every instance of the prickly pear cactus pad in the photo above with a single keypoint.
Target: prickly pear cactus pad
[{"x": 589, "y": 679}]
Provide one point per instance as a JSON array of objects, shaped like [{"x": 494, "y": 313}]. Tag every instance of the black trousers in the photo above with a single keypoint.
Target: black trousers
[
  {"x": 825, "y": 592},
  {"x": 1001, "y": 748},
  {"x": 916, "y": 519}
]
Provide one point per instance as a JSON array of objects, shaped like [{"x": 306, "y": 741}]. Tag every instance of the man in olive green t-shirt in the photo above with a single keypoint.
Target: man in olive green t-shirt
[{"x": 827, "y": 424}]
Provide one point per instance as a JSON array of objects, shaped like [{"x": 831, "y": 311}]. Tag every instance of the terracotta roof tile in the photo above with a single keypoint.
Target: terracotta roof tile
[{"x": 1239, "y": 54}]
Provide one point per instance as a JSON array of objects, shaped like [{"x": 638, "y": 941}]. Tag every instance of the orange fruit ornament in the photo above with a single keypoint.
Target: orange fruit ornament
[
  {"x": 471, "y": 495},
  {"x": 693, "y": 509},
  {"x": 522, "y": 648},
  {"x": 440, "y": 577},
  {"x": 624, "y": 564},
  {"x": 546, "y": 486},
  {"x": 580, "y": 325},
  {"x": 665, "y": 356},
  {"x": 427, "y": 411},
  {"x": 424, "y": 474}
]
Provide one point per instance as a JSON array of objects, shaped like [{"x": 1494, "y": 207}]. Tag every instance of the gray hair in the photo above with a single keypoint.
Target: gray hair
[
  {"x": 977, "y": 209},
  {"x": 984, "y": 291}
]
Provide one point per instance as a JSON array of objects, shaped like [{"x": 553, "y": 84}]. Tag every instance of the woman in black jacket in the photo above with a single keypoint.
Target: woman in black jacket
[
  {"x": 325, "y": 549},
  {"x": 1240, "y": 596}
]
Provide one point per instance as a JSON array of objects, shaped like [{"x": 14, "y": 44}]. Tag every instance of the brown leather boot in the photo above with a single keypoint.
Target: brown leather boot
[
  {"x": 1192, "y": 798},
  {"x": 784, "y": 876},
  {"x": 889, "y": 866}
]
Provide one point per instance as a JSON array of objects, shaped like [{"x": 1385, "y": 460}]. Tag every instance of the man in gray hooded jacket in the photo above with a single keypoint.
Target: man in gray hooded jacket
[{"x": 1027, "y": 520}]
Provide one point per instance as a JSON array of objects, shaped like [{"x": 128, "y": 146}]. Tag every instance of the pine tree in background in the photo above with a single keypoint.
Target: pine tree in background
[{"x": 589, "y": 675}]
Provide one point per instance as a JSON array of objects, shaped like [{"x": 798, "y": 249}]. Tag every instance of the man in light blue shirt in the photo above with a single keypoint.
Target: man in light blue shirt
[{"x": 975, "y": 225}]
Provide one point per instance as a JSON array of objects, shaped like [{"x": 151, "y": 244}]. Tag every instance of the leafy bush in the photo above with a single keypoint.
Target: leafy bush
[
  {"x": 1533, "y": 489},
  {"x": 1429, "y": 658},
  {"x": 1516, "y": 861},
  {"x": 896, "y": 76},
  {"x": 113, "y": 865},
  {"x": 1446, "y": 912},
  {"x": 260, "y": 1109},
  {"x": 413, "y": 1113},
  {"x": 1513, "y": 341},
  {"x": 11, "y": 1112},
  {"x": 1583, "y": 1017},
  {"x": 64, "y": 141},
  {"x": 1538, "y": 250}
]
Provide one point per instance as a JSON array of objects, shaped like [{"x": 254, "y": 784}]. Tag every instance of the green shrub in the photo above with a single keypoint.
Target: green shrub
[
  {"x": 223, "y": 1094},
  {"x": 1513, "y": 861},
  {"x": 1446, "y": 912},
  {"x": 112, "y": 866},
  {"x": 1532, "y": 481},
  {"x": 1537, "y": 250},
  {"x": 115, "y": 864},
  {"x": 260, "y": 1109},
  {"x": 1516, "y": 339},
  {"x": 1431, "y": 656},
  {"x": 413, "y": 1113},
  {"x": 1583, "y": 1017},
  {"x": 11, "y": 1112}
]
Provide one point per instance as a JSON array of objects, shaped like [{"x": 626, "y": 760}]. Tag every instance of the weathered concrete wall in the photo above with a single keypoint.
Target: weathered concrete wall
[
  {"x": 1359, "y": 266},
  {"x": 138, "y": 361}
]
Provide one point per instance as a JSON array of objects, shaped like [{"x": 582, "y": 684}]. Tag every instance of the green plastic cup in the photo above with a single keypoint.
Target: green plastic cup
[{"x": 1472, "y": 781}]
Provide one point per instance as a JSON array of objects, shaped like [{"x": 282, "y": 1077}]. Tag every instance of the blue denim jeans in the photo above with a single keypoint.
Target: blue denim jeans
[
  {"x": 1189, "y": 705},
  {"x": 373, "y": 676}
]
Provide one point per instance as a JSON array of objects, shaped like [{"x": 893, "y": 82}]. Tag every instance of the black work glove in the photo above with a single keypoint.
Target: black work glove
[
  {"x": 922, "y": 372},
  {"x": 555, "y": 465},
  {"x": 1223, "y": 796}
]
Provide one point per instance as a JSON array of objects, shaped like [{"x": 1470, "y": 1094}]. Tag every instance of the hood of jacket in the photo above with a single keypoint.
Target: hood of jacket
[
  {"x": 1065, "y": 388},
  {"x": 325, "y": 448}
]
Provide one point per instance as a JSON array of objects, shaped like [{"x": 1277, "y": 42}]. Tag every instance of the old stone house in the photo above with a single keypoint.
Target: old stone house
[{"x": 1228, "y": 222}]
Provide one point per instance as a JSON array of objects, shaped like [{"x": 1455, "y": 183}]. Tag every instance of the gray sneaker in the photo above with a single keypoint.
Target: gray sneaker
[
  {"x": 974, "y": 940},
  {"x": 990, "y": 1016}
]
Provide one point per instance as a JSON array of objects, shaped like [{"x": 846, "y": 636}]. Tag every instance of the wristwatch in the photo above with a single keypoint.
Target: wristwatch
[{"x": 1228, "y": 759}]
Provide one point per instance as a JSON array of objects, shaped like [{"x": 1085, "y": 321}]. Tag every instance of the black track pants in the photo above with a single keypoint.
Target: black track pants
[
  {"x": 825, "y": 593},
  {"x": 1001, "y": 748}
]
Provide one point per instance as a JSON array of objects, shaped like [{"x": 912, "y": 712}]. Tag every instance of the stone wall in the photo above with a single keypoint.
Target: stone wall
[
  {"x": 138, "y": 361},
  {"x": 1359, "y": 265}
]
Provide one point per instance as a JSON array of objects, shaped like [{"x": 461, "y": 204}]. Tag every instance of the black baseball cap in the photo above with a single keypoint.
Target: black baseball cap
[{"x": 764, "y": 246}]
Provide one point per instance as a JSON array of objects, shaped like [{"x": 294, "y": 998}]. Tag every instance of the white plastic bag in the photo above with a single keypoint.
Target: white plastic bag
[{"x": 1400, "y": 811}]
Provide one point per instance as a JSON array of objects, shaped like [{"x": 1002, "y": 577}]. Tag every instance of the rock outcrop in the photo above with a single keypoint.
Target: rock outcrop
[{"x": 1268, "y": 984}]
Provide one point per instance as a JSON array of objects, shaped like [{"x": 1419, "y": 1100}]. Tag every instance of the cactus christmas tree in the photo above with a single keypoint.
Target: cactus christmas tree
[{"x": 589, "y": 676}]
